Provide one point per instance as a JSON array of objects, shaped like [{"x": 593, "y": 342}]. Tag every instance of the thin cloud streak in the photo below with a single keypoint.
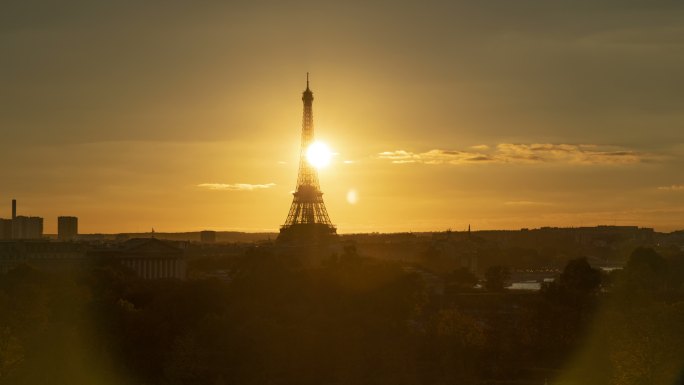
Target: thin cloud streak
[
  {"x": 235, "y": 186},
  {"x": 480, "y": 147},
  {"x": 435, "y": 157},
  {"x": 526, "y": 203},
  {"x": 567, "y": 153},
  {"x": 674, "y": 187},
  {"x": 535, "y": 153}
]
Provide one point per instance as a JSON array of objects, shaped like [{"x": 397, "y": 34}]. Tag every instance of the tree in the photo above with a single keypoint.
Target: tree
[
  {"x": 11, "y": 353},
  {"x": 646, "y": 270},
  {"x": 496, "y": 277},
  {"x": 579, "y": 277},
  {"x": 461, "y": 279},
  {"x": 646, "y": 259}
]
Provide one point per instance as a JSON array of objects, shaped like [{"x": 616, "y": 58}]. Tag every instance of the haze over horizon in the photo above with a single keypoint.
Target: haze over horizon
[{"x": 187, "y": 116}]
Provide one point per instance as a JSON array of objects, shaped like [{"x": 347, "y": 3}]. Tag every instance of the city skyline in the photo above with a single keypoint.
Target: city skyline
[{"x": 439, "y": 116}]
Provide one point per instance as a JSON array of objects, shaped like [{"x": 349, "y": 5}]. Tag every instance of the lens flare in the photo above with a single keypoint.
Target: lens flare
[
  {"x": 352, "y": 197},
  {"x": 318, "y": 154}
]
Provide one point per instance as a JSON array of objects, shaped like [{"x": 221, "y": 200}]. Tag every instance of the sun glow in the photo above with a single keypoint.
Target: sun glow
[{"x": 318, "y": 154}]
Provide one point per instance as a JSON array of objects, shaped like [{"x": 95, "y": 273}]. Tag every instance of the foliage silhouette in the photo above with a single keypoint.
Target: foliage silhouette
[
  {"x": 496, "y": 277},
  {"x": 352, "y": 320}
]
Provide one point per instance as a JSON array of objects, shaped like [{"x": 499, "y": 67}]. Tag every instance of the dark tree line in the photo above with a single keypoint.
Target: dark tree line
[{"x": 350, "y": 321}]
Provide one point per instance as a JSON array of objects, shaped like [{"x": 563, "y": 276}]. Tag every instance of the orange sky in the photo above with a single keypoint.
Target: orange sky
[{"x": 186, "y": 117}]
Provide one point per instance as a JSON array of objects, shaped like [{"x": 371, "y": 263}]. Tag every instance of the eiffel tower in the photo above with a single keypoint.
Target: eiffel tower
[{"x": 308, "y": 219}]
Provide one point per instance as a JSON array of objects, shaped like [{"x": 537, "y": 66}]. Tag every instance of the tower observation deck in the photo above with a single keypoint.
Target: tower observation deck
[{"x": 308, "y": 218}]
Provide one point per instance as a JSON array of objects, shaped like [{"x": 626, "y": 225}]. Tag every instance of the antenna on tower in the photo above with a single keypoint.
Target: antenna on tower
[{"x": 307, "y": 80}]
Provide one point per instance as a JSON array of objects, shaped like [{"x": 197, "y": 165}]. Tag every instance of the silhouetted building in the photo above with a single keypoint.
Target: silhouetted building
[
  {"x": 43, "y": 254},
  {"x": 150, "y": 258},
  {"x": 67, "y": 228},
  {"x": 27, "y": 227},
  {"x": 207, "y": 236},
  {"x": 308, "y": 219},
  {"x": 5, "y": 229},
  {"x": 456, "y": 250}
]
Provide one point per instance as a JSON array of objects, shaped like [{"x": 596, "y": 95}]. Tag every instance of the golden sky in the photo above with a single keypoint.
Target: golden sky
[{"x": 185, "y": 116}]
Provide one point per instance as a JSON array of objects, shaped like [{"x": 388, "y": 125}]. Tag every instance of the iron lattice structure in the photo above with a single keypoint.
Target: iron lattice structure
[{"x": 308, "y": 214}]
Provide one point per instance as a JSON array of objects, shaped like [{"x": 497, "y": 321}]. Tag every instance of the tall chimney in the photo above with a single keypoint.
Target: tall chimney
[{"x": 14, "y": 209}]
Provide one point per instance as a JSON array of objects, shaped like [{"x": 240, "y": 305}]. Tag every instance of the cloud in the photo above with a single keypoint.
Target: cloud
[
  {"x": 435, "y": 157},
  {"x": 674, "y": 187},
  {"x": 522, "y": 154},
  {"x": 480, "y": 147},
  {"x": 399, "y": 156},
  {"x": 567, "y": 153},
  {"x": 236, "y": 186},
  {"x": 526, "y": 203}
]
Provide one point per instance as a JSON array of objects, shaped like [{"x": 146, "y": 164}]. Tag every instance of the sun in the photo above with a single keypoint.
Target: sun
[{"x": 318, "y": 154}]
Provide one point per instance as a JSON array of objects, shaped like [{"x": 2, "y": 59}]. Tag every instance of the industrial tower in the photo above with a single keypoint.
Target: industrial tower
[{"x": 308, "y": 219}]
